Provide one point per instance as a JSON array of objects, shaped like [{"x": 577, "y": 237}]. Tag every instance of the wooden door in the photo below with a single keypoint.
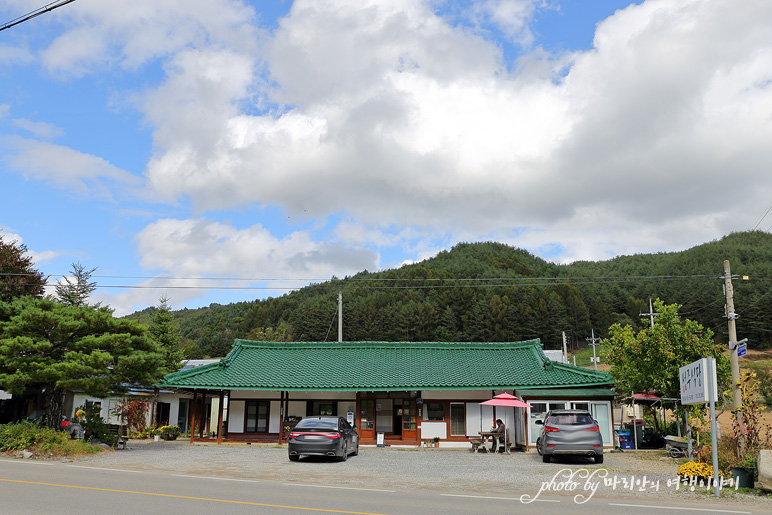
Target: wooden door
[
  {"x": 367, "y": 419},
  {"x": 409, "y": 422}
]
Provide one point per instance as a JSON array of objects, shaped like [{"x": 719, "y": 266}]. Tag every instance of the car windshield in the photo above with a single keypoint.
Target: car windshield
[
  {"x": 571, "y": 419},
  {"x": 311, "y": 424}
]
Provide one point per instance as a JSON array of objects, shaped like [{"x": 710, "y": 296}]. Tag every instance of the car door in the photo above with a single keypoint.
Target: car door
[{"x": 345, "y": 430}]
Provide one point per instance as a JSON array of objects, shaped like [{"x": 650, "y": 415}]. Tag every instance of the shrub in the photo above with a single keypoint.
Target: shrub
[
  {"x": 42, "y": 440},
  {"x": 134, "y": 413},
  {"x": 94, "y": 426}
]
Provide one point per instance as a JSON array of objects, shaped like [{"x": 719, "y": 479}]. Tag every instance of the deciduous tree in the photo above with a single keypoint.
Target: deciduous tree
[
  {"x": 649, "y": 360},
  {"x": 17, "y": 275}
]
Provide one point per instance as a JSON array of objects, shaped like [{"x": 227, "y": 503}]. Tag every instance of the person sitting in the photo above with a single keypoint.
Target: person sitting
[{"x": 498, "y": 438}]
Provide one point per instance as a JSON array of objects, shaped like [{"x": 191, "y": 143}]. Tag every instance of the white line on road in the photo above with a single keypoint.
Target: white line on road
[
  {"x": 680, "y": 508},
  {"x": 496, "y": 498},
  {"x": 216, "y": 478},
  {"x": 26, "y": 462},
  {"x": 340, "y": 487},
  {"x": 100, "y": 468}
]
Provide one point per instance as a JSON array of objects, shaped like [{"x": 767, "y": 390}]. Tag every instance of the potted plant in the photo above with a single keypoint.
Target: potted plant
[
  {"x": 436, "y": 441},
  {"x": 744, "y": 471},
  {"x": 168, "y": 432}
]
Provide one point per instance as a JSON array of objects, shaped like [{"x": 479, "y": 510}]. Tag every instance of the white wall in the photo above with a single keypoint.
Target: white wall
[
  {"x": 456, "y": 395},
  {"x": 236, "y": 418},
  {"x": 433, "y": 429}
]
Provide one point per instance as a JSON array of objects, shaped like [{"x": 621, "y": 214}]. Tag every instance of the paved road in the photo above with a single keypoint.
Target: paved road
[{"x": 46, "y": 487}]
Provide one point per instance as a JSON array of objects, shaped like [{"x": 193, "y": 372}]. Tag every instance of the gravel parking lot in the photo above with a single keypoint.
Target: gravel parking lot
[{"x": 416, "y": 468}]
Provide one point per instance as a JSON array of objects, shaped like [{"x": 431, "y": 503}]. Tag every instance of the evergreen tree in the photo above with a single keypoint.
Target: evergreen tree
[
  {"x": 47, "y": 347},
  {"x": 163, "y": 331},
  {"x": 78, "y": 290}
]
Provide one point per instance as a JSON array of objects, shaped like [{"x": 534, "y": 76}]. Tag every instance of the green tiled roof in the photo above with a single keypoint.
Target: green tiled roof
[
  {"x": 559, "y": 393},
  {"x": 383, "y": 366}
]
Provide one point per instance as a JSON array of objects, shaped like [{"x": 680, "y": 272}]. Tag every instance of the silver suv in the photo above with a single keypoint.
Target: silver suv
[{"x": 569, "y": 431}]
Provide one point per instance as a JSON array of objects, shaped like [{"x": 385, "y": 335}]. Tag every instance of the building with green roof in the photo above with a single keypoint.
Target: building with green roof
[{"x": 408, "y": 391}]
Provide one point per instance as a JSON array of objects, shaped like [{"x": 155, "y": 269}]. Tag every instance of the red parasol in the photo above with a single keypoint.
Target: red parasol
[{"x": 509, "y": 401}]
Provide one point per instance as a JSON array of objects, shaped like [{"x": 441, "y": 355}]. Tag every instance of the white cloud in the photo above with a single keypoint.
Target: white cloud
[
  {"x": 410, "y": 127},
  {"x": 12, "y": 55},
  {"x": 40, "y": 130},
  {"x": 131, "y": 35},
  {"x": 64, "y": 167},
  {"x": 182, "y": 250}
]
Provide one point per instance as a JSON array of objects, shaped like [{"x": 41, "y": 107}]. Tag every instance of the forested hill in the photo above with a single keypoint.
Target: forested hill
[{"x": 493, "y": 292}]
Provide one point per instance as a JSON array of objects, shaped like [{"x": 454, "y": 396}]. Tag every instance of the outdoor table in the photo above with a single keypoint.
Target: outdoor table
[{"x": 485, "y": 435}]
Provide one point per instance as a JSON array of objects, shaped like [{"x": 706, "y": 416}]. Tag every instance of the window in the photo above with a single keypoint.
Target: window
[
  {"x": 457, "y": 419},
  {"x": 320, "y": 408},
  {"x": 435, "y": 411},
  {"x": 256, "y": 417}
]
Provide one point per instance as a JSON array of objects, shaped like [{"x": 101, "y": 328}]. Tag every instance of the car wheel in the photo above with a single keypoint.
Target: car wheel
[
  {"x": 538, "y": 446},
  {"x": 294, "y": 457},
  {"x": 344, "y": 457},
  {"x": 545, "y": 458},
  {"x": 599, "y": 459}
]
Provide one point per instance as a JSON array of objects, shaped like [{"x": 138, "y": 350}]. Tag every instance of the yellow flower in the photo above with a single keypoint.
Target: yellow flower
[
  {"x": 80, "y": 413},
  {"x": 695, "y": 469}
]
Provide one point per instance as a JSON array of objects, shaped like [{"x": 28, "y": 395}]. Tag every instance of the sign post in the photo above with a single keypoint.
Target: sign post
[{"x": 698, "y": 385}]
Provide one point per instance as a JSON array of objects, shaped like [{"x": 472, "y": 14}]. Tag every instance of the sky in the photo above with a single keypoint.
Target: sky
[{"x": 214, "y": 152}]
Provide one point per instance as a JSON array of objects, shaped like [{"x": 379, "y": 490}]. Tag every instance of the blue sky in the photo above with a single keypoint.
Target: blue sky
[{"x": 241, "y": 149}]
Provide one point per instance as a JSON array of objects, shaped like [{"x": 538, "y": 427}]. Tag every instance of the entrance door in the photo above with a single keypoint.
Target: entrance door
[
  {"x": 409, "y": 426},
  {"x": 367, "y": 420}
]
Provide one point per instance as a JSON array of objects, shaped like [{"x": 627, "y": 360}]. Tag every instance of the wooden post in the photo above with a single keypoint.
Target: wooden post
[
  {"x": 281, "y": 417},
  {"x": 193, "y": 415},
  {"x": 201, "y": 427},
  {"x": 219, "y": 418}
]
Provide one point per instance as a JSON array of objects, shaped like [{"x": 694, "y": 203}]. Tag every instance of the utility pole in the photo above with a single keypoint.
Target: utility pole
[
  {"x": 593, "y": 341},
  {"x": 651, "y": 314},
  {"x": 737, "y": 396},
  {"x": 340, "y": 316},
  {"x": 565, "y": 351}
]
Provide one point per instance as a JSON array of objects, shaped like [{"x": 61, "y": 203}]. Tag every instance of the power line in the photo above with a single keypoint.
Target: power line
[
  {"x": 36, "y": 12},
  {"x": 761, "y": 218},
  {"x": 470, "y": 283}
]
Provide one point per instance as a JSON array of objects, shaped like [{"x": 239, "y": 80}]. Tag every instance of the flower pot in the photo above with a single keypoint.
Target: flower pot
[
  {"x": 156, "y": 438},
  {"x": 743, "y": 477}
]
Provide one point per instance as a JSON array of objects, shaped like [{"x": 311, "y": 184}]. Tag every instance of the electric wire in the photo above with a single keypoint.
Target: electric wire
[
  {"x": 37, "y": 12},
  {"x": 761, "y": 218}
]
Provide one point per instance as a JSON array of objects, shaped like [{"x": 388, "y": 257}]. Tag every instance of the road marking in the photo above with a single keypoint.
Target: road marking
[
  {"x": 216, "y": 478},
  {"x": 680, "y": 508},
  {"x": 340, "y": 487},
  {"x": 228, "y": 501},
  {"x": 26, "y": 462},
  {"x": 101, "y": 468},
  {"x": 495, "y": 498}
]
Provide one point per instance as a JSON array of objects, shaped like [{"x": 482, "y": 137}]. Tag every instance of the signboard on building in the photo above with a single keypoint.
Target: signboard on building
[{"x": 694, "y": 381}]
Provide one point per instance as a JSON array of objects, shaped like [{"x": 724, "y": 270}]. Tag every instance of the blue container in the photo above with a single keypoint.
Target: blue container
[{"x": 624, "y": 439}]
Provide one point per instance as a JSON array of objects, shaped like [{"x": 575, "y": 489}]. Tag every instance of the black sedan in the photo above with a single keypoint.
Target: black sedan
[{"x": 323, "y": 436}]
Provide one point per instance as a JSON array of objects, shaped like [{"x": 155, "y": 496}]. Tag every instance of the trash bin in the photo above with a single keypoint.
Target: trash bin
[{"x": 625, "y": 442}]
